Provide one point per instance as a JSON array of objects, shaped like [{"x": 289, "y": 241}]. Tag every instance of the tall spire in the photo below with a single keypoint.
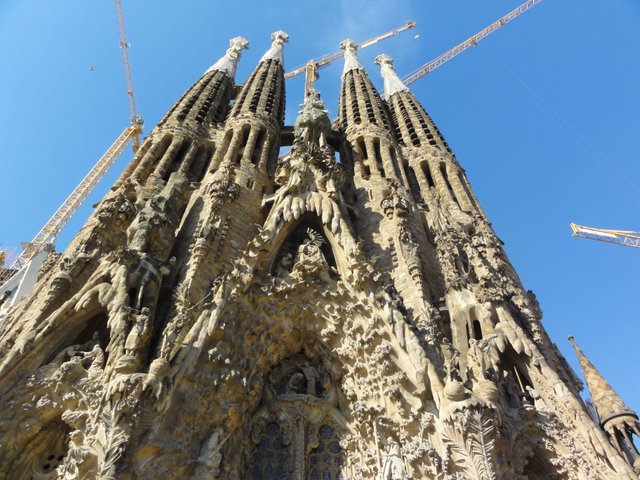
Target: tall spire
[
  {"x": 616, "y": 418},
  {"x": 392, "y": 82},
  {"x": 278, "y": 39},
  {"x": 229, "y": 61},
  {"x": 607, "y": 401},
  {"x": 351, "y": 61}
]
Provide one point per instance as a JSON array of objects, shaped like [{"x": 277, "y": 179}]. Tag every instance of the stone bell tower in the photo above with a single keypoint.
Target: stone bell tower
[{"x": 342, "y": 311}]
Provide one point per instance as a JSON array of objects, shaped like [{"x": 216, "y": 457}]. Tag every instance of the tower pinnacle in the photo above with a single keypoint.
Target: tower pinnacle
[
  {"x": 278, "y": 39},
  {"x": 392, "y": 82},
  {"x": 229, "y": 61},
  {"x": 616, "y": 418},
  {"x": 351, "y": 61}
]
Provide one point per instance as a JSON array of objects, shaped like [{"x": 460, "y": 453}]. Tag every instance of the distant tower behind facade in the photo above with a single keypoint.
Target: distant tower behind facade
[{"x": 342, "y": 311}]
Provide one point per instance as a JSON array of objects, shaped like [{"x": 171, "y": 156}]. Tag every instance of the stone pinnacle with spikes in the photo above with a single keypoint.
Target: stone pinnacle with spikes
[
  {"x": 229, "y": 61},
  {"x": 392, "y": 83},
  {"x": 278, "y": 39}
]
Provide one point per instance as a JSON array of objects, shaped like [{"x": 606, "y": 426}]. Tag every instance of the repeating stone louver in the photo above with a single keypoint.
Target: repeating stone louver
[{"x": 342, "y": 311}]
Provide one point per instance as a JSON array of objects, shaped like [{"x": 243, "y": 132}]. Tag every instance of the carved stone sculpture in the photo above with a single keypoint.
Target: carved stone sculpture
[{"x": 344, "y": 311}]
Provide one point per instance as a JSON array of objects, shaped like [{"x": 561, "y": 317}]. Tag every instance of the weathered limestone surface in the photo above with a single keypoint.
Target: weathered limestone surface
[{"x": 343, "y": 311}]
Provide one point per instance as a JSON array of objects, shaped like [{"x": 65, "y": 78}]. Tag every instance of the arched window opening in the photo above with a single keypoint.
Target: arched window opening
[
  {"x": 477, "y": 330},
  {"x": 296, "y": 430},
  {"x": 360, "y": 148},
  {"x": 271, "y": 459},
  {"x": 326, "y": 460}
]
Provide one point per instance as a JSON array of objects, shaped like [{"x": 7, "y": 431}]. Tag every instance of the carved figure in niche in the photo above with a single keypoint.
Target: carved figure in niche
[
  {"x": 298, "y": 376},
  {"x": 285, "y": 265},
  {"x": 211, "y": 456},
  {"x": 222, "y": 188},
  {"x": 393, "y": 468},
  {"x": 89, "y": 353},
  {"x": 394, "y": 309},
  {"x": 154, "y": 228},
  {"x": 450, "y": 358},
  {"x": 511, "y": 388},
  {"x": 144, "y": 283},
  {"x": 302, "y": 257},
  {"x": 394, "y": 202}
]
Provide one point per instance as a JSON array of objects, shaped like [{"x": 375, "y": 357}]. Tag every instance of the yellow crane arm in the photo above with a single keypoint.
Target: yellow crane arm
[
  {"x": 48, "y": 234},
  {"x": 327, "y": 59},
  {"x": 471, "y": 42},
  {"x": 124, "y": 50},
  {"x": 625, "y": 238}
]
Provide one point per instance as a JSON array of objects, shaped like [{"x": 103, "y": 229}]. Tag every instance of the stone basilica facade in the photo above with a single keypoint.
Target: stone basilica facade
[{"x": 344, "y": 311}]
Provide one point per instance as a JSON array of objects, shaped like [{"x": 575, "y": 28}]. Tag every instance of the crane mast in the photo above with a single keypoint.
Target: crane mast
[
  {"x": 626, "y": 238},
  {"x": 49, "y": 233},
  {"x": 470, "y": 42},
  {"x": 135, "y": 119}
]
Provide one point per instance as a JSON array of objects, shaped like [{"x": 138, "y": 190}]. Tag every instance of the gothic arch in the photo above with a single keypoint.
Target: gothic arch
[
  {"x": 332, "y": 247},
  {"x": 295, "y": 431}
]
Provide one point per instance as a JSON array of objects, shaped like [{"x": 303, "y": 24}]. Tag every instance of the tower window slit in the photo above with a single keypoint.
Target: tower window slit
[
  {"x": 410, "y": 128},
  {"x": 378, "y": 156},
  {"x": 176, "y": 161},
  {"x": 255, "y": 100},
  {"x": 413, "y": 183},
  {"x": 209, "y": 101},
  {"x": 203, "y": 160},
  {"x": 427, "y": 173},
  {"x": 394, "y": 163},
  {"x": 443, "y": 170},
  {"x": 243, "y": 142},
  {"x": 239, "y": 103},
  {"x": 192, "y": 100},
  {"x": 466, "y": 190},
  {"x": 258, "y": 146},
  {"x": 368, "y": 104}
]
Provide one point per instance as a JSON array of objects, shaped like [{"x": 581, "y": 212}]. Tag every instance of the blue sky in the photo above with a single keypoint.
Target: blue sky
[{"x": 542, "y": 115}]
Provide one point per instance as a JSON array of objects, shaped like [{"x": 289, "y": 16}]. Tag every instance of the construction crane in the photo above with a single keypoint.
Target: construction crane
[
  {"x": 626, "y": 238},
  {"x": 312, "y": 66},
  {"x": 471, "y": 42},
  {"x": 135, "y": 119},
  {"x": 49, "y": 233}
]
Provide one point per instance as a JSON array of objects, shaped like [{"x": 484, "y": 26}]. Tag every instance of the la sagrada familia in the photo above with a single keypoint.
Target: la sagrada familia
[{"x": 343, "y": 311}]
